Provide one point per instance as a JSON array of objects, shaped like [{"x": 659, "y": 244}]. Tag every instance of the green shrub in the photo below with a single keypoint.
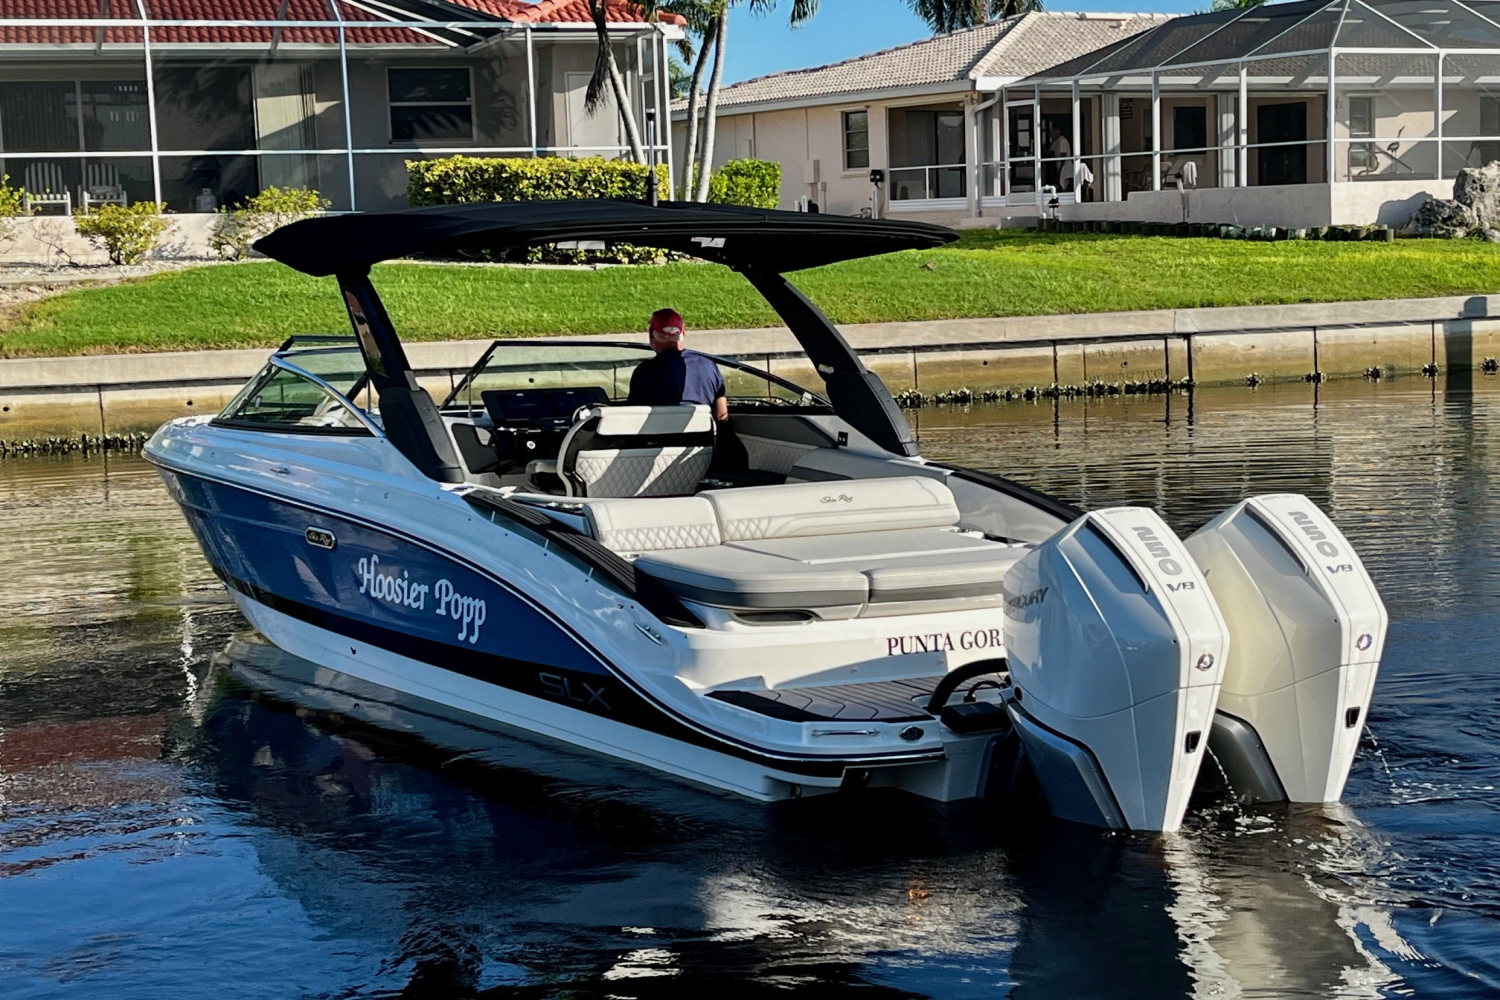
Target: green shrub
[
  {"x": 752, "y": 183},
  {"x": 126, "y": 234},
  {"x": 12, "y": 208},
  {"x": 238, "y": 227},
  {"x": 12, "y": 199},
  {"x": 456, "y": 180}
]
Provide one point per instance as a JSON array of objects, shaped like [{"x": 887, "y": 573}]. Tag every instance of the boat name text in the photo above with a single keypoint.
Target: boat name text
[
  {"x": 941, "y": 642},
  {"x": 403, "y": 592}
]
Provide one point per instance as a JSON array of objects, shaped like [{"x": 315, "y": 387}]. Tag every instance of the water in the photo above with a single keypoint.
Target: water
[{"x": 166, "y": 831}]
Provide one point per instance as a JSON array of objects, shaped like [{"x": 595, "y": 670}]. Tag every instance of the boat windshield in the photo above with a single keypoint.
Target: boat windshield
[
  {"x": 284, "y": 398},
  {"x": 607, "y": 367}
]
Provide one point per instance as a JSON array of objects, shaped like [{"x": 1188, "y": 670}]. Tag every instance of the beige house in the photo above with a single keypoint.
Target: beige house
[
  {"x": 1220, "y": 117},
  {"x": 913, "y": 112}
]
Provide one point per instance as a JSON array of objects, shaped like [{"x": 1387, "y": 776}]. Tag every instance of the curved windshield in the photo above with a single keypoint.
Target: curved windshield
[
  {"x": 284, "y": 398},
  {"x": 604, "y": 370}
]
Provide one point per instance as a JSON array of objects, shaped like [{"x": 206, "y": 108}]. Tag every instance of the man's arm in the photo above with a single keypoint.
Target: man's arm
[{"x": 721, "y": 396}]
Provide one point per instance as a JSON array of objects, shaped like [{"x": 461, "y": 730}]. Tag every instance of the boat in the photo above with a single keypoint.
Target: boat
[{"x": 793, "y": 603}]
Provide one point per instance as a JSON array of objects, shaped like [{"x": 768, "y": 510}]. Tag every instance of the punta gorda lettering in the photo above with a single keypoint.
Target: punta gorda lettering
[
  {"x": 942, "y": 642},
  {"x": 399, "y": 589}
]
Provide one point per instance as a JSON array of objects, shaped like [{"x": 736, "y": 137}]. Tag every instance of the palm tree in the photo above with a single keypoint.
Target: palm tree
[
  {"x": 801, "y": 12},
  {"x": 703, "y": 20},
  {"x": 950, "y": 15},
  {"x": 607, "y": 74}
]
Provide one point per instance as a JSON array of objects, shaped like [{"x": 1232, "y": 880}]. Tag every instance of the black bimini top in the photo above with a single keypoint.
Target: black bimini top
[{"x": 743, "y": 238}]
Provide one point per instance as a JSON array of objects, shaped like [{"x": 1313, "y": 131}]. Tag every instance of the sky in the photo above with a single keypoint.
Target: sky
[{"x": 843, "y": 29}]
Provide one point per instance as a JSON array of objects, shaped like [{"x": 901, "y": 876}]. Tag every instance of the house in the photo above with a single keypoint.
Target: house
[
  {"x": 1301, "y": 114},
  {"x": 199, "y": 103},
  {"x": 914, "y": 112}
]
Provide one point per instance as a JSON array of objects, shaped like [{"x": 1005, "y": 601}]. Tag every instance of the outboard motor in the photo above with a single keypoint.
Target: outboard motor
[
  {"x": 1307, "y": 629},
  {"x": 1116, "y": 651}
]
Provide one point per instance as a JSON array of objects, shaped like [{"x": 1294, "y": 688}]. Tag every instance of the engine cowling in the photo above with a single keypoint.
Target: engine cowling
[
  {"x": 1116, "y": 650},
  {"x": 1307, "y": 628}
]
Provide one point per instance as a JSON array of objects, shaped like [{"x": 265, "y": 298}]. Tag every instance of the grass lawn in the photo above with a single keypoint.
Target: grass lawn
[{"x": 987, "y": 273}]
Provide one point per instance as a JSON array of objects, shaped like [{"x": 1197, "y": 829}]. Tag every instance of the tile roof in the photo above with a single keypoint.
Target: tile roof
[
  {"x": 1011, "y": 47},
  {"x": 515, "y": 11}
]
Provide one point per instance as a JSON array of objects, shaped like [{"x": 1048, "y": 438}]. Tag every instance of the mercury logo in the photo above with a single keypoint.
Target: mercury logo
[
  {"x": 1314, "y": 534},
  {"x": 1028, "y": 600},
  {"x": 1363, "y": 642},
  {"x": 1158, "y": 551},
  {"x": 1205, "y": 662}
]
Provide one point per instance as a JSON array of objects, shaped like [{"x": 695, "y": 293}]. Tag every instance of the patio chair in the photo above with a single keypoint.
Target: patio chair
[
  {"x": 45, "y": 186},
  {"x": 101, "y": 186}
]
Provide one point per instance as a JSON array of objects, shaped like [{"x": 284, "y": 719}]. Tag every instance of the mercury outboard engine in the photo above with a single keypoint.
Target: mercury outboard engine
[
  {"x": 1307, "y": 629},
  {"x": 1116, "y": 651}
]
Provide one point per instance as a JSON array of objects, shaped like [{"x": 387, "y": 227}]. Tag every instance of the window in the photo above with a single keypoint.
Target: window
[
  {"x": 1189, "y": 128},
  {"x": 1361, "y": 126},
  {"x": 431, "y": 104},
  {"x": 1489, "y": 125},
  {"x": 856, "y": 140},
  {"x": 281, "y": 400}
]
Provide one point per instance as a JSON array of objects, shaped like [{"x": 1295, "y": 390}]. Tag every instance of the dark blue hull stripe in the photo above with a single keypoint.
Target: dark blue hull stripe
[
  {"x": 588, "y": 694},
  {"x": 602, "y": 692}
]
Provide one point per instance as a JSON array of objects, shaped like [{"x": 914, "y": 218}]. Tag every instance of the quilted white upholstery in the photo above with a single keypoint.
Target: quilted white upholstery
[
  {"x": 642, "y": 472},
  {"x": 770, "y": 455},
  {"x": 843, "y": 507},
  {"x": 632, "y": 526}
]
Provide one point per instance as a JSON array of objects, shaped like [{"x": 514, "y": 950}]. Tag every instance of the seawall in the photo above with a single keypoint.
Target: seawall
[{"x": 121, "y": 394}]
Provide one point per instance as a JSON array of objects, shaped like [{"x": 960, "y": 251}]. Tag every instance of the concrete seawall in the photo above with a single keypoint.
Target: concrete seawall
[{"x": 125, "y": 393}]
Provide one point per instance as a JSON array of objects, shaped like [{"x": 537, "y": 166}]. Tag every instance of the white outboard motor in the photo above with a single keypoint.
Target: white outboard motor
[
  {"x": 1116, "y": 650},
  {"x": 1307, "y": 627}
]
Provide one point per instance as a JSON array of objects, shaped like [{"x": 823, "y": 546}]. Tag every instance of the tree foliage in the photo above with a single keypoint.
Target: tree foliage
[{"x": 951, "y": 15}]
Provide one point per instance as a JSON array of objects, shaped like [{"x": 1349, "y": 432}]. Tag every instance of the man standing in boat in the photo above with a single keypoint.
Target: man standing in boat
[{"x": 675, "y": 375}]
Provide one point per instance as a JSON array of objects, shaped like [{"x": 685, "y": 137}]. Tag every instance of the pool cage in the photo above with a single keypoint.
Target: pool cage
[
  {"x": 201, "y": 103},
  {"x": 1393, "y": 93}
]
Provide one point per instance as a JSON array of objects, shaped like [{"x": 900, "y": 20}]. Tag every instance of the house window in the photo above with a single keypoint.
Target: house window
[
  {"x": 429, "y": 105},
  {"x": 1489, "y": 125},
  {"x": 1361, "y": 126},
  {"x": 1190, "y": 128},
  {"x": 856, "y": 140}
]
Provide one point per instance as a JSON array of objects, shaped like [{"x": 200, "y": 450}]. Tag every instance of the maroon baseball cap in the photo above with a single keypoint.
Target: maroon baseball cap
[{"x": 667, "y": 322}]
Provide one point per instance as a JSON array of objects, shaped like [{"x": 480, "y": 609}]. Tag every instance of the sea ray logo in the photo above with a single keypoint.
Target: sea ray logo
[
  {"x": 1158, "y": 550},
  {"x": 841, "y": 498}
]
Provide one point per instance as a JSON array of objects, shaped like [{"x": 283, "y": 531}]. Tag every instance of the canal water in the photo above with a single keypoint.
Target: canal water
[{"x": 168, "y": 830}]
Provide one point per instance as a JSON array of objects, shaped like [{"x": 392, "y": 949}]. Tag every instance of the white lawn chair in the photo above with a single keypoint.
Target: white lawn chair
[
  {"x": 45, "y": 186},
  {"x": 101, "y": 185}
]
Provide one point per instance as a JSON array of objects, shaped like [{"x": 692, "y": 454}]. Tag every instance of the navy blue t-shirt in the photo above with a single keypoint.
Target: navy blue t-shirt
[{"x": 672, "y": 378}]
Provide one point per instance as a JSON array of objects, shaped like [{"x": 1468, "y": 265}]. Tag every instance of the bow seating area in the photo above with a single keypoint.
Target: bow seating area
[{"x": 853, "y": 548}]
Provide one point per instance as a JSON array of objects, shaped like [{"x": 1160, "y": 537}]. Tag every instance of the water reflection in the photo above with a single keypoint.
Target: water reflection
[{"x": 181, "y": 806}]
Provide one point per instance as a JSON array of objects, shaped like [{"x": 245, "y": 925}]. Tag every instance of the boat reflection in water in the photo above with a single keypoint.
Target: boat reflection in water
[{"x": 490, "y": 873}]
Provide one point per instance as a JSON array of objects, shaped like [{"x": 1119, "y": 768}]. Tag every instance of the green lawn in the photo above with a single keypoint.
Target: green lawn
[{"x": 988, "y": 273}]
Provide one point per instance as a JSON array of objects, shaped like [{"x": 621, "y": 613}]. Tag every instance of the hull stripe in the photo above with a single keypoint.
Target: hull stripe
[{"x": 527, "y": 677}]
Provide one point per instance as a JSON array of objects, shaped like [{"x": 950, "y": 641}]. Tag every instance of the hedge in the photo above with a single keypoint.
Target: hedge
[
  {"x": 456, "y": 180},
  {"x": 753, "y": 183}
]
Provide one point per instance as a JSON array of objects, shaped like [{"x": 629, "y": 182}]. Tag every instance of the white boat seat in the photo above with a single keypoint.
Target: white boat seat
[
  {"x": 868, "y": 548},
  {"x": 631, "y": 527},
  {"x": 800, "y": 509},
  {"x": 636, "y": 451}
]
